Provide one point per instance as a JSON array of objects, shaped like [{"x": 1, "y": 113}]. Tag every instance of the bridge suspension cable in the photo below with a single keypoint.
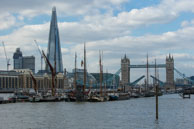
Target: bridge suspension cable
[{"x": 183, "y": 75}]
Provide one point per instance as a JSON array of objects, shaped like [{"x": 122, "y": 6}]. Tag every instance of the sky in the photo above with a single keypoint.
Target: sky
[{"x": 117, "y": 27}]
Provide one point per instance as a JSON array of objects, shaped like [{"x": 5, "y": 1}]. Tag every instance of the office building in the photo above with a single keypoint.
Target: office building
[
  {"x": 23, "y": 62},
  {"x": 54, "y": 47},
  {"x": 28, "y": 62},
  {"x": 17, "y": 59}
]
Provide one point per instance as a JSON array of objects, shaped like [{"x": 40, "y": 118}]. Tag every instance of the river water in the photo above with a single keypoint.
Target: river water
[{"x": 174, "y": 113}]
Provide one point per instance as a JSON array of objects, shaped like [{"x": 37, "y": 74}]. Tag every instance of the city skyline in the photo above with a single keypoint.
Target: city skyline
[{"x": 116, "y": 27}]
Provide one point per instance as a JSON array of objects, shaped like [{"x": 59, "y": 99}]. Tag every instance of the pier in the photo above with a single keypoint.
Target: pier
[{"x": 186, "y": 93}]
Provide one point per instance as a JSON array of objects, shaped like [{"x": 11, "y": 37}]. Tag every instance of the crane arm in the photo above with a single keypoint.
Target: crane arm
[
  {"x": 5, "y": 51},
  {"x": 7, "y": 60},
  {"x": 39, "y": 48}
]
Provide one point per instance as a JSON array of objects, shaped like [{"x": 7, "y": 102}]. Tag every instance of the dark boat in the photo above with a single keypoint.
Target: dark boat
[
  {"x": 19, "y": 96},
  {"x": 113, "y": 97},
  {"x": 70, "y": 98},
  {"x": 149, "y": 94}
]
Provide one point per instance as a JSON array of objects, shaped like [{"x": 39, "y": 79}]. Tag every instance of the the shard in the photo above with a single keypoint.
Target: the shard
[{"x": 54, "y": 47}]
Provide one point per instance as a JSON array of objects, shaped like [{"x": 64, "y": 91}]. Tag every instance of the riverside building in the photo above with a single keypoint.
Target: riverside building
[{"x": 21, "y": 79}]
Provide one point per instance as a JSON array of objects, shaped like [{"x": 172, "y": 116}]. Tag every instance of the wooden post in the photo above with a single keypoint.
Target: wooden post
[
  {"x": 156, "y": 102},
  {"x": 156, "y": 88}
]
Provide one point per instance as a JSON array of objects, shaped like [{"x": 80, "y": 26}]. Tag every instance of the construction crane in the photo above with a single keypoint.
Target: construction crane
[
  {"x": 39, "y": 49},
  {"x": 7, "y": 60}
]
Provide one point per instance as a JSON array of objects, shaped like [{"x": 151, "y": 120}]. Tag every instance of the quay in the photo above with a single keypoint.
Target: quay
[{"x": 186, "y": 93}]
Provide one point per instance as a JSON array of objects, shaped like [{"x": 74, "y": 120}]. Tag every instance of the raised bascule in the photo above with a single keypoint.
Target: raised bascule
[
  {"x": 54, "y": 46},
  {"x": 169, "y": 66}
]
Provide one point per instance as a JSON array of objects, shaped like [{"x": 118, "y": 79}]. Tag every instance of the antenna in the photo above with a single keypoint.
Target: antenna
[
  {"x": 39, "y": 49},
  {"x": 7, "y": 60}
]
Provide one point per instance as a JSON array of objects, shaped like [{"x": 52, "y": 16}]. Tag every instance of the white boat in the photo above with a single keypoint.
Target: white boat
[{"x": 35, "y": 98}]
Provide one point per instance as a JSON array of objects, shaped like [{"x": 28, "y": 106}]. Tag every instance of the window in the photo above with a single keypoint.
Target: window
[
  {"x": 27, "y": 82},
  {"x": 3, "y": 86},
  {"x": 0, "y": 83},
  {"x": 13, "y": 82},
  {"x": 6, "y": 85},
  {"x": 16, "y": 83},
  {"x": 9, "y": 79}
]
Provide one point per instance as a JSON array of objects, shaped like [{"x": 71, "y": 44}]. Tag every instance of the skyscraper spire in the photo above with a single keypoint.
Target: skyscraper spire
[{"x": 54, "y": 46}]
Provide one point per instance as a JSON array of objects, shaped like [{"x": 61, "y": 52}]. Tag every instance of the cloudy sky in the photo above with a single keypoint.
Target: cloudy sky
[{"x": 134, "y": 27}]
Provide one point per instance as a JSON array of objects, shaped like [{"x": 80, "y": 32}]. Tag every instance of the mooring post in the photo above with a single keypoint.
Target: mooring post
[
  {"x": 156, "y": 102},
  {"x": 156, "y": 91}
]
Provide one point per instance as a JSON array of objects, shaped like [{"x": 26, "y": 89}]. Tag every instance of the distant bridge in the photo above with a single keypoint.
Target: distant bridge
[{"x": 149, "y": 66}]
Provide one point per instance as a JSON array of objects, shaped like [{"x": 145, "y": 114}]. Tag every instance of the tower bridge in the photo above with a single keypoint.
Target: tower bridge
[
  {"x": 149, "y": 66},
  {"x": 169, "y": 66}
]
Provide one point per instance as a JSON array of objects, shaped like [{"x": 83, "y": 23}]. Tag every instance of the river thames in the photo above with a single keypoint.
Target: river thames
[{"x": 174, "y": 113}]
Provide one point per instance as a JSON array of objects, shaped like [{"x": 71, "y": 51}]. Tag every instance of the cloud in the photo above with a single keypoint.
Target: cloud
[
  {"x": 102, "y": 30},
  {"x": 91, "y": 11},
  {"x": 6, "y": 21},
  {"x": 114, "y": 46},
  {"x": 33, "y": 8},
  {"x": 156, "y": 14}
]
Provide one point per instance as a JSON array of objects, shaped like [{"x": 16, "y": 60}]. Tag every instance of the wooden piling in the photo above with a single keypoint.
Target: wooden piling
[
  {"x": 156, "y": 102},
  {"x": 156, "y": 91}
]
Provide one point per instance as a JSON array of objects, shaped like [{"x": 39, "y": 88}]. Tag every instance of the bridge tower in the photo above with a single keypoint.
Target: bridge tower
[
  {"x": 169, "y": 72},
  {"x": 125, "y": 70}
]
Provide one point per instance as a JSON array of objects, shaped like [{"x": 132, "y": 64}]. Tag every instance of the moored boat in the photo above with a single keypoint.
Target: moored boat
[
  {"x": 36, "y": 98},
  {"x": 96, "y": 99},
  {"x": 19, "y": 96},
  {"x": 113, "y": 97},
  {"x": 124, "y": 96},
  {"x": 135, "y": 95},
  {"x": 149, "y": 94}
]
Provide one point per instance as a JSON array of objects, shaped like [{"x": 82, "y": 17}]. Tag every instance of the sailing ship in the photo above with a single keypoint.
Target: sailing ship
[
  {"x": 102, "y": 96},
  {"x": 78, "y": 94},
  {"x": 49, "y": 96},
  {"x": 147, "y": 92}
]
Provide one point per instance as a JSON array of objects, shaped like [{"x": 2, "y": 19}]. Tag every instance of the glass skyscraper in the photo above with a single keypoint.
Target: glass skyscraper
[
  {"x": 54, "y": 47},
  {"x": 23, "y": 62}
]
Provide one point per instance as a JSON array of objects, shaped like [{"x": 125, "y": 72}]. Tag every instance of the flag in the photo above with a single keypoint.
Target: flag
[{"x": 82, "y": 62}]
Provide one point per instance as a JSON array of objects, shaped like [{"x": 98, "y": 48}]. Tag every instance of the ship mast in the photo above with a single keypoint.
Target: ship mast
[
  {"x": 35, "y": 83},
  {"x": 100, "y": 64},
  {"x": 147, "y": 82},
  {"x": 53, "y": 72},
  {"x": 84, "y": 68},
  {"x": 75, "y": 73}
]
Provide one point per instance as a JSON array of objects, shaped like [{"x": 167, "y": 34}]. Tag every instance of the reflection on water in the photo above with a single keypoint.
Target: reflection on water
[{"x": 174, "y": 113}]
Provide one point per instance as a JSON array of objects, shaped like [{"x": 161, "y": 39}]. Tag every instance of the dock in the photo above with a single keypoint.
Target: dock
[{"x": 186, "y": 93}]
